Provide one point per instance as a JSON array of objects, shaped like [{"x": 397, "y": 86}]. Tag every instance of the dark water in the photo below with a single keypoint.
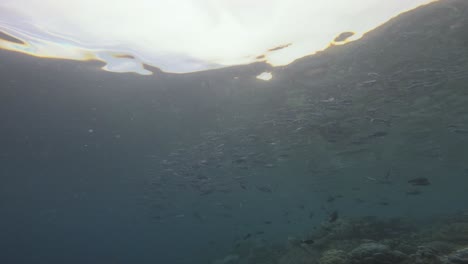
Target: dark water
[{"x": 114, "y": 168}]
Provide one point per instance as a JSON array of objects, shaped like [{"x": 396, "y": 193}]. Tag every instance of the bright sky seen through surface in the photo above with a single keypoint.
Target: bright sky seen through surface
[{"x": 186, "y": 35}]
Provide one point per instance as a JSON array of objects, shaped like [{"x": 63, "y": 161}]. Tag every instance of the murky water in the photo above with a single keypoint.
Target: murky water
[{"x": 356, "y": 152}]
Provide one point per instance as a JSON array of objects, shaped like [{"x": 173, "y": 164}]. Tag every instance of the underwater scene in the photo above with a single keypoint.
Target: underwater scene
[{"x": 354, "y": 154}]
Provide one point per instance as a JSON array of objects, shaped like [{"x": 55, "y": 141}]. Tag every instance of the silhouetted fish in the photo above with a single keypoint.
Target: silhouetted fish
[
  {"x": 413, "y": 192},
  {"x": 378, "y": 134},
  {"x": 333, "y": 216},
  {"x": 243, "y": 186},
  {"x": 420, "y": 181},
  {"x": 332, "y": 198},
  {"x": 266, "y": 189},
  {"x": 308, "y": 241}
]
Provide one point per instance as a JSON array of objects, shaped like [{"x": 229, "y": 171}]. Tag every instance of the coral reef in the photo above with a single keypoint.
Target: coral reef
[
  {"x": 367, "y": 240},
  {"x": 375, "y": 253},
  {"x": 425, "y": 255},
  {"x": 333, "y": 256},
  {"x": 453, "y": 232},
  {"x": 458, "y": 257}
]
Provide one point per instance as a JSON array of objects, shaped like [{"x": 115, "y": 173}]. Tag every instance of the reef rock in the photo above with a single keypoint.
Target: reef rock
[
  {"x": 441, "y": 247},
  {"x": 425, "y": 255},
  {"x": 375, "y": 253},
  {"x": 333, "y": 256},
  {"x": 458, "y": 257},
  {"x": 454, "y": 232}
]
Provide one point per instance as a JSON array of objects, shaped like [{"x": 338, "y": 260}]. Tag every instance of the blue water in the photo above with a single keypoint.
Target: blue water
[{"x": 99, "y": 167}]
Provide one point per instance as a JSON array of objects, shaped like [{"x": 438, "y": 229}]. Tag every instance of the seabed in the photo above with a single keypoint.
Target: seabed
[{"x": 366, "y": 240}]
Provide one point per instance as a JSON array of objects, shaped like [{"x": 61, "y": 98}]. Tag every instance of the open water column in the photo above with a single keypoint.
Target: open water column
[{"x": 234, "y": 132}]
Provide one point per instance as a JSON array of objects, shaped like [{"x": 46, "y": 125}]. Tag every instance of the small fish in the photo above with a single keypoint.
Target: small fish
[
  {"x": 308, "y": 241},
  {"x": 420, "y": 181},
  {"x": 197, "y": 215},
  {"x": 378, "y": 134},
  {"x": 386, "y": 179},
  {"x": 359, "y": 200},
  {"x": 371, "y": 179},
  {"x": 247, "y": 236},
  {"x": 298, "y": 129},
  {"x": 265, "y": 189},
  {"x": 267, "y": 222},
  {"x": 333, "y": 216},
  {"x": 206, "y": 192},
  {"x": 240, "y": 160},
  {"x": 332, "y": 198},
  {"x": 413, "y": 192}
]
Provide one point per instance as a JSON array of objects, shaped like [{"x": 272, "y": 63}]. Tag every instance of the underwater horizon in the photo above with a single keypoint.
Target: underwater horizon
[{"x": 356, "y": 153}]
